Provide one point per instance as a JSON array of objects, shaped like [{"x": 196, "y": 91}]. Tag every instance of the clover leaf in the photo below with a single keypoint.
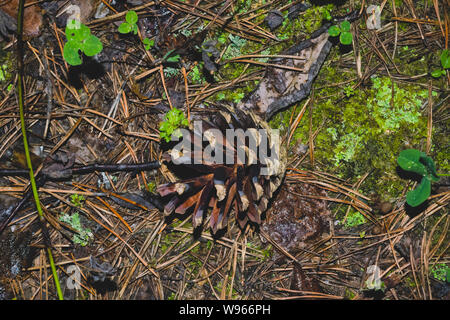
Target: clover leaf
[
  {"x": 334, "y": 31},
  {"x": 79, "y": 38},
  {"x": 418, "y": 162},
  {"x": 420, "y": 193},
  {"x": 129, "y": 25},
  {"x": 445, "y": 64},
  {"x": 445, "y": 59},
  {"x": 70, "y": 53},
  {"x": 343, "y": 31}
]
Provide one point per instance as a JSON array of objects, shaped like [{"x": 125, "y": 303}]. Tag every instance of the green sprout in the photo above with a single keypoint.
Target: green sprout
[
  {"x": 196, "y": 75},
  {"x": 445, "y": 63},
  {"x": 354, "y": 218},
  {"x": 129, "y": 25},
  {"x": 174, "y": 58},
  {"x": 343, "y": 30},
  {"x": 148, "y": 43},
  {"x": 83, "y": 234},
  {"x": 418, "y": 162},
  {"x": 173, "y": 120},
  {"x": 77, "y": 200},
  {"x": 79, "y": 38},
  {"x": 151, "y": 186}
]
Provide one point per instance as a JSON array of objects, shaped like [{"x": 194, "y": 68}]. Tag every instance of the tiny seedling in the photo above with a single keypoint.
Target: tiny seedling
[
  {"x": 79, "y": 38},
  {"x": 173, "y": 120},
  {"x": 354, "y": 219},
  {"x": 77, "y": 200},
  {"x": 129, "y": 24},
  {"x": 418, "y": 162},
  {"x": 343, "y": 31},
  {"x": 148, "y": 43},
  {"x": 445, "y": 63},
  {"x": 151, "y": 187}
]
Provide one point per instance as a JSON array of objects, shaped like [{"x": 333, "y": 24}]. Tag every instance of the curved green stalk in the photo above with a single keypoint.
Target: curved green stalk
[{"x": 25, "y": 140}]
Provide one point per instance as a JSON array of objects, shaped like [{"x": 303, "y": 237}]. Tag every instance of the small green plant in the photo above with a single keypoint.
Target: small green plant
[
  {"x": 148, "y": 43},
  {"x": 77, "y": 200},
  {"x": 151, "y": 186},
  {"x": 343, "y": 31},
  {"x": 440, "y": 272},
  {"x": 418, "y": 162},
  {"x": 354, "y": 218},
  {"x": 173, "y": 120},
  {"x": 79, "y": 38},
  {"x": 2, "y": 74},
  {"x": 171, "y": 296},
  {"x": 174, "y": 58},
  {"x": 349, "y": 91},
  {"x": 445, "y": 63},
  {"x": 196, "y": 75},
  {"x": 83, "y": 235},
  {"x": 129, "y": 25}
]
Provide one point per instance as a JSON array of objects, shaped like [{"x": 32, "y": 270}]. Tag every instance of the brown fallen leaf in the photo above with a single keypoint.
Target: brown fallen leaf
[{"x": 32, "y": 16}]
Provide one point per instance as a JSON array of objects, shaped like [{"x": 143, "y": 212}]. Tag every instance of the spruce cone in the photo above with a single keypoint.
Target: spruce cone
[{"x": 239, "y": 181}]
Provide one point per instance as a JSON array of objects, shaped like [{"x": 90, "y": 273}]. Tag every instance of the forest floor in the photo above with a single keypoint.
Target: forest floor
[{"x": 339, "y": 227}]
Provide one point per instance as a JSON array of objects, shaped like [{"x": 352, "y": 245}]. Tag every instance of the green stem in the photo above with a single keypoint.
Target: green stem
[
  {"x": 444, "y": 174},
  {"x": 25, "y": 140}
]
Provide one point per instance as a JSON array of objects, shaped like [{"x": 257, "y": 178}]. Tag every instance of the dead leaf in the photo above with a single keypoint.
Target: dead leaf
[{"x": 32, "y": 20}]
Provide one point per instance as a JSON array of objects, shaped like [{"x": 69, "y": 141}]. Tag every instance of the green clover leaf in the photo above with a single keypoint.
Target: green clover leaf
[
  {"x": 413, "y": 160},
  {"x": 131, "y": 17},
  {"x": 409, "y": 160},
  {"x": 334, "y": 31},
  {"x": 445, "y": 59},
  {"x": 92, "y": 46},
  {"x": 125, "y": 27},
  {"x": 71, "y": 54},
  {"x": 420, "y": 193},
  {"x": 345, "y": 26},
  {"x": 346, "y": 38}
]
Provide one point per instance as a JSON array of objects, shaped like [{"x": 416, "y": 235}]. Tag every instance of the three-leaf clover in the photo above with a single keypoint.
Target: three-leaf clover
[
  {"x": 129, "y": 25},
  {"x": 343, "y": 30},
  {"x": 79, "y": 38},
  {"x": 413, "y": 160},
  {"x": 173, "y": 120},
  {"x": 445, "y": 63}
]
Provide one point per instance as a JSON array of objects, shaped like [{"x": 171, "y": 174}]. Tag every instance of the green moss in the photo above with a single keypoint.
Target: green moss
[
  {"x": 305, "y": 23},
  {"x": 362, "y": 132}
]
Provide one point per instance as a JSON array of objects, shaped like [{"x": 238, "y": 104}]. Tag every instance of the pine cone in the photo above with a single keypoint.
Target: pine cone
[{"x": 228, "y": 175}]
